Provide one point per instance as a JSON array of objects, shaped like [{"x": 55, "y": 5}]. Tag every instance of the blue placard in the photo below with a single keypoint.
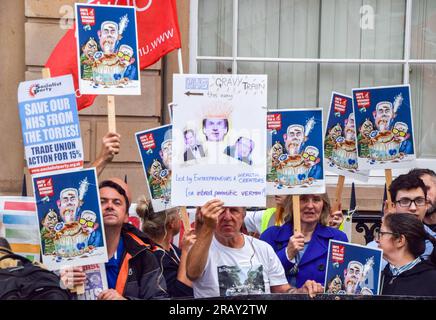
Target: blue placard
[
  {"x": 295, "y": 152},
  {"x": 385, "y": 128},
  {"x": 155, "y": 148},
  {"x": 353, "y": 269}
]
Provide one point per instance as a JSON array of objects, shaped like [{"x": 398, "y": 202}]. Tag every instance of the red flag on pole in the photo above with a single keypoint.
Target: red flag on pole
[{"x": 158, "y": 34}]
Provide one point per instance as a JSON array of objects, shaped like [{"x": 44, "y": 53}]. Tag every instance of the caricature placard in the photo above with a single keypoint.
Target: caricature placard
[
  {"x": 353, "y": 269},
  {"x": 70, "y": 219},
  {"x": 107, "y": 47},
  {"x": 385, "y": 138},
  {"x": 219, "y": 139},
  {"x": 50, "y": 124},
  {"x": 340, "y": 146},
  {"x": 295, "y": 152},
  {"x": 155, "y": 148}
]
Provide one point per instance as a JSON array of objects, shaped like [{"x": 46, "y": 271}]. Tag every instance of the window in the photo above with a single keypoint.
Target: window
[{"x": 309, "y": 48}]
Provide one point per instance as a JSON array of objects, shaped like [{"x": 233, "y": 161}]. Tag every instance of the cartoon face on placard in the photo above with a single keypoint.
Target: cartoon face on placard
[
  {"x": 352, "y": 269},
  {"x": 108, "y": 50},
  {"x": 340, "y": 147},
  {"x": 155, "y": 148},
  {"x": 71, "y": 228},
  {"x": 384, "y": 127},
  {"x": 295, "y": 152}
]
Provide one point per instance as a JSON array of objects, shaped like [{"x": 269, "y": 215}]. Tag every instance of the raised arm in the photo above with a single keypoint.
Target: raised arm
[
  {"x": 206, "y": 221},
  {"x": 110, "y": 146}
]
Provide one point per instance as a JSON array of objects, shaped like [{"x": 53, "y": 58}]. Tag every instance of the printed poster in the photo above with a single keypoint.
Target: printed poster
[
  {"x": 219, "y": 136},
  {"x": 340, "y": 146},
  {"x": 353, "y": 269},
  {"x": 20, "y": 226},
  {"x": 385, "y": 137},
  {"x": 155, "y": 148},
  {"x": 107, "y": 47},
  {"x": 50, "y": 124},
  {"x": 295, "y": 152},
  {"x": 70, "y": 219},
  {"x": 95, "y": 282}
]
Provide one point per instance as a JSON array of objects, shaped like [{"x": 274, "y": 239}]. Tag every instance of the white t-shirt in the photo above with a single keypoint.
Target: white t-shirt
[{"x": 251, "y": 269}]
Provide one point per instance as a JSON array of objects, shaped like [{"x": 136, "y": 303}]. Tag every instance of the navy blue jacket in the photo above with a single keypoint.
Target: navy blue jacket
[{"x": 313, "y": 262}]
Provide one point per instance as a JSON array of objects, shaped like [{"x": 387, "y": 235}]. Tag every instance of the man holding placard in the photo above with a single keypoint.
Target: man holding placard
[{"x": 222, "y": 257}]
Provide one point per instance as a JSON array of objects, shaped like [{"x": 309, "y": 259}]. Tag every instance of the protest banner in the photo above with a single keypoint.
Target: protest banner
[
  {"x": 340, "y": 146},
  {"x": 295, "y": 152},
  {"x": 353, "y": 269},
  {"x": 384, "y": 121},
  {"x": 70, "y": 219},
  {"x": 155, "y": 148},
  {"x": 107, "y": 47},
  {"x": 50, "y": 125},
  {"x": 20, "y": 226},
  {"x": 95, "y": 282},
  {"x": 219, "y": 124}
]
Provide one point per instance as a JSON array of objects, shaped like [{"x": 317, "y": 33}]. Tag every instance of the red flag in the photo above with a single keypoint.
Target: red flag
[{"x": 158, "y": 34}]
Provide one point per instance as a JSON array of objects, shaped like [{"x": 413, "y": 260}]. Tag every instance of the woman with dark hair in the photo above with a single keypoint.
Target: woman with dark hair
[
  {"x": 161, "y": 227},
  {"x": 304, "y": 254},
  {"x": 402, "y": 237}
]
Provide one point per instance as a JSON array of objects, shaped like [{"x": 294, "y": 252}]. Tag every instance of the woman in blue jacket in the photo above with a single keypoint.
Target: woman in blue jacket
[{"x": 304, "y": 254}]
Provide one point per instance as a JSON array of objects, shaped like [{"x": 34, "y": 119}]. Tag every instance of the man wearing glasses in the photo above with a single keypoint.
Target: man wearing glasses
[{"x": 409, "y": 195}]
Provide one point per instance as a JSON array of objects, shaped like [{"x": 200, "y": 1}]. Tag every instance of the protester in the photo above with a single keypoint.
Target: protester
[
  {"x": 132, "y": 270},
  {"x": 429, "y": 178},
  {"x": 304, "y": 254},
  {"x": 402, "y": 238},
  {"x": 257, "y": 222},
  {"x": 409, "y": 195},
  {"x": 161, "y": 227},
  {"x": 223, "y": 261}
]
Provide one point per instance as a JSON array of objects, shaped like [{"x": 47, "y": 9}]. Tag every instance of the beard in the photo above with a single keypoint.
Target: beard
[{"x": 108, "y": 46}]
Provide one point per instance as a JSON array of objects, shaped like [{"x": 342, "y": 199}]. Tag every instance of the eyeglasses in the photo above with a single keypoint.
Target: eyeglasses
[
  {"x": 124, "y": 56},
  {"x": 400, "y": 133},
  {"x": 406, "y": 202},
  {"x": 88, "y": 223},
  {"x": 306, "y": 155},
  {"x": 378, "y": 234}
]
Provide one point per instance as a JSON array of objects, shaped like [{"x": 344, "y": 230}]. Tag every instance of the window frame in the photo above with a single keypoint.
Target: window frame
[{"x": 377, "y": 177}]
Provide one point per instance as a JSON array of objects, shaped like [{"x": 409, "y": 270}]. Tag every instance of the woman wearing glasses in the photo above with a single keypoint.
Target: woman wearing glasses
[
  {"x": 161, "y": 227},
  {"x": 304, "y": 254},
  {"x": 402, "y": 238}
]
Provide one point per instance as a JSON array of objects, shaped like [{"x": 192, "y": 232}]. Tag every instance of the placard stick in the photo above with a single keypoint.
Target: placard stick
[
  {"x": 388, "y": 175},
  {"x": 296, "y": 213},
  {"x": 111, "y": 114},
  {"x": 338, "y": 194},
  {"x": 80, "y": 289},
  {"x": 46, "y": 73},
  {"x": 185, "y": 219}
]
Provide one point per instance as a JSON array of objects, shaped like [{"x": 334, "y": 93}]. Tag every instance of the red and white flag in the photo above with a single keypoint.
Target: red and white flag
[{"x": 158, "y": 34}]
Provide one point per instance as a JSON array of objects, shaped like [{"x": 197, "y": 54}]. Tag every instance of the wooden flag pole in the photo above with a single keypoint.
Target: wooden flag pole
[
  {"x": 80, "y": 289},
  {"x": 296, "y": 213},
  {"x": 338, "y": 195},
  {"x": 111, "y": 114},
  {"x": 388, "y": 175}
]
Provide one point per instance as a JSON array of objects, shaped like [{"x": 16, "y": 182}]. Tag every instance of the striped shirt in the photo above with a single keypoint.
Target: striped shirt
[{"x": 397, "y": 271}]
